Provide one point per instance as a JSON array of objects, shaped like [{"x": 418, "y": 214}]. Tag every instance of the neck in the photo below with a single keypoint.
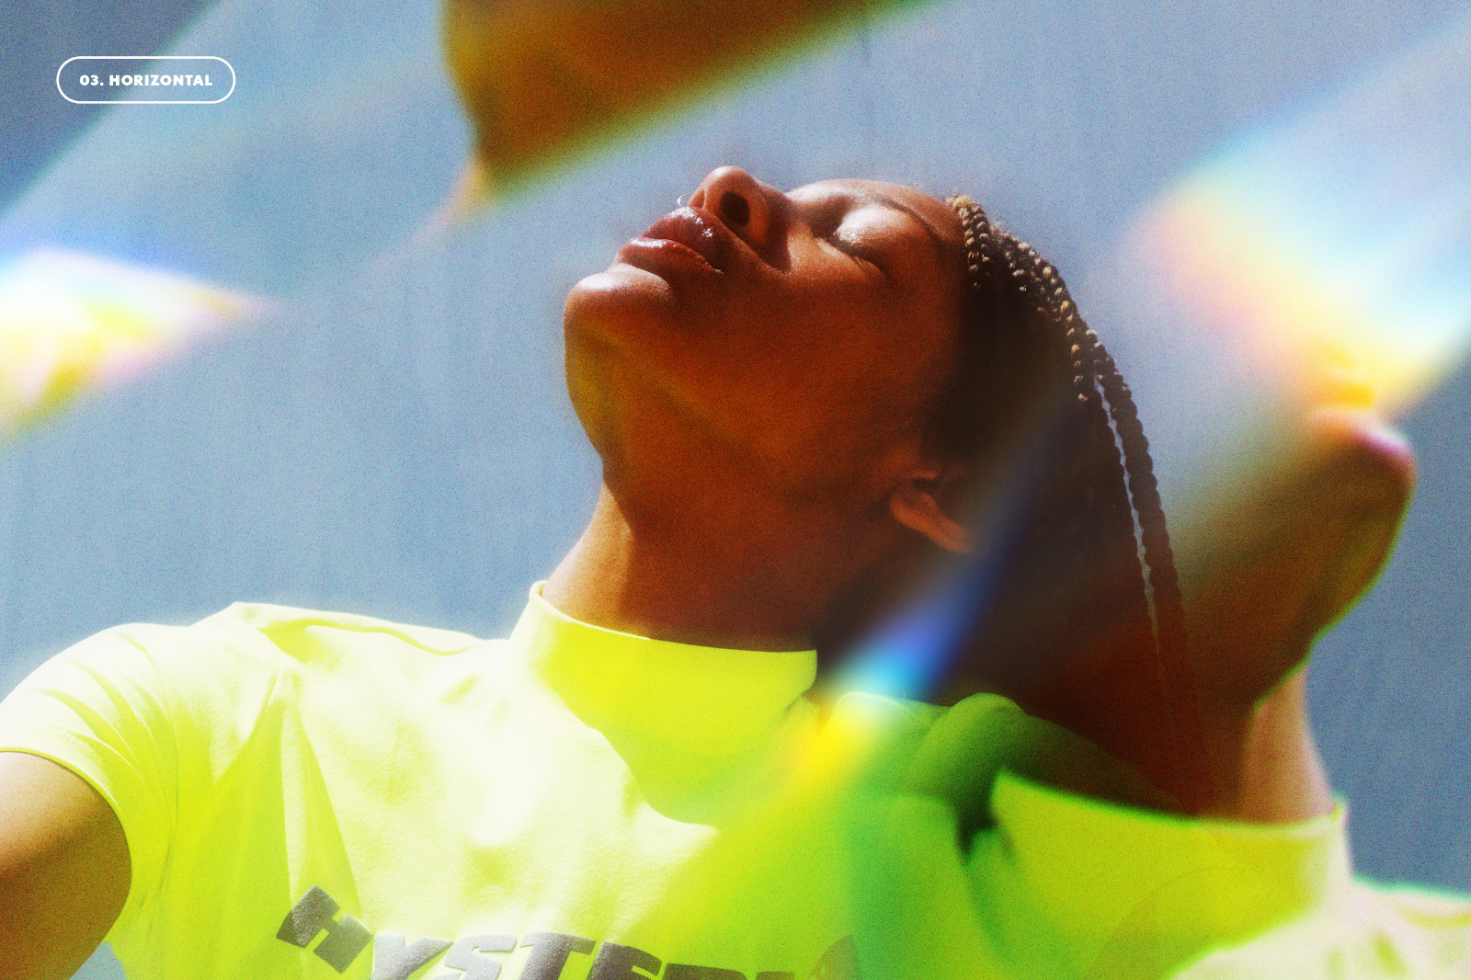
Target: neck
[{"x": 758, "y": 584}]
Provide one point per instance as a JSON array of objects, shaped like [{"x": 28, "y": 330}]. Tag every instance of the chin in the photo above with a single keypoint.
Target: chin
[{"x": 622, "y": 302}]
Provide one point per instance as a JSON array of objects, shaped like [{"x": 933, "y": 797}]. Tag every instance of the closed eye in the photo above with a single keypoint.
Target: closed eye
[
  {"x": 859, "y": 249},
  {"x": 838, "y": 220},
  {"x": 841, "y": 236}
]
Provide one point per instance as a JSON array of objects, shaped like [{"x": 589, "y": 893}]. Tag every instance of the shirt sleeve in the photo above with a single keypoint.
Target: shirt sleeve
[
  {"x": 968, "y": 868},
  {"x": 1371, "y": 932},
  {"x": 153, "y": 717},
  {"x": 1135, "y": 893}
]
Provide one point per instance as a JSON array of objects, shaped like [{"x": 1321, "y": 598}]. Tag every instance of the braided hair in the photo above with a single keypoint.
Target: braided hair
[{"x": 1073, "y": 591}]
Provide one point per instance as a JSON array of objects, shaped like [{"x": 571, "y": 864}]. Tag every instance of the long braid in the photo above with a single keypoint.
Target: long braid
[
  {"x": 1075, "y": 567},
  {"x": 1164, "y": 583}
]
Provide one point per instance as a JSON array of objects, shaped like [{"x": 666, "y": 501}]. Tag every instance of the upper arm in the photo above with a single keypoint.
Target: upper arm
[{"x": 64, "y": 868}]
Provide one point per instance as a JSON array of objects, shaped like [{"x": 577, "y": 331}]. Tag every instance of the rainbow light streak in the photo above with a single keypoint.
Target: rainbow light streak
[
  {"x": 1325, "y": 260},
  {"x": 71, "y": 322},
  {"x": 1335, "y": 247},
  {"x": 907, "y": 654},
  {"x": 912, "y": 653}
]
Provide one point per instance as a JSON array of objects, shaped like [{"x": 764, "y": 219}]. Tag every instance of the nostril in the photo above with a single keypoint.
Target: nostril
[{"x": 734, "y": 208}]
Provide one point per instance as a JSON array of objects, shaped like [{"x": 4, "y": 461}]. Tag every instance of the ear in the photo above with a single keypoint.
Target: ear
[{"x": 921, "y": 503}]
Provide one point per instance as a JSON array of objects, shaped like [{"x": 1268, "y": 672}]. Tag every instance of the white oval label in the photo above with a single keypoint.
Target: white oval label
[{"x": 145, "y": 80}]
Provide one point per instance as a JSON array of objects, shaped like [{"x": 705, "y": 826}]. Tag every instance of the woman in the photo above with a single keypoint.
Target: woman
[
  {"x": 927, "y": 343},
  {"x": 797, "y": 399}
]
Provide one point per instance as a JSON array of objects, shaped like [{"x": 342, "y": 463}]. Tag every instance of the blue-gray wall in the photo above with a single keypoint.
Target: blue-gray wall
[{"x": 398, "y": 443}]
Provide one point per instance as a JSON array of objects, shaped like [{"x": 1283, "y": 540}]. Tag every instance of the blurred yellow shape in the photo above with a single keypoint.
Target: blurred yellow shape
[
  {"x": 71, "y": 322},
  {"x": 544, "y": 79}
]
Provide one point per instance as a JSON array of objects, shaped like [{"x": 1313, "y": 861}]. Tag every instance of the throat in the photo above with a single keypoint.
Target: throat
[{"x": 733, "y": 587}]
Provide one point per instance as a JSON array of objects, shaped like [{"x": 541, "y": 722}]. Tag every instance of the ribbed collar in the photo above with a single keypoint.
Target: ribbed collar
[{"x": 710, "y": 701}]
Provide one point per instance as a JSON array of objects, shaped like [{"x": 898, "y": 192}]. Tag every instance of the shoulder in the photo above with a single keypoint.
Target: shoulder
[
  {"x": 257, "y": 635},
  {"x": 241, "y": 661},
  {"x": 302, "y": 650},
  {"x": 305, "y": 634}
]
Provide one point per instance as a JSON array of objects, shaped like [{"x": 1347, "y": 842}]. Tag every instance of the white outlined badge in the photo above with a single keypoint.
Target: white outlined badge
[{"x": 138, "y": 80}]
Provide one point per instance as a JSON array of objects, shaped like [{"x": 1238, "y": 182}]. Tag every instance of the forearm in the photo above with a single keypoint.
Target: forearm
[
  {"x": 1266, "y": 764},
  {"x": 1218, "y": 758}
]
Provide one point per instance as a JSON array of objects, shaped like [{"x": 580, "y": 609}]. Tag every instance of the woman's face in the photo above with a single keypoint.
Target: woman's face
[{"x": 795, "y": 338}]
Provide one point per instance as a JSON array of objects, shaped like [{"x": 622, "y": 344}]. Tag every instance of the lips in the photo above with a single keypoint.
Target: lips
[{"x": 689, "y": 230}]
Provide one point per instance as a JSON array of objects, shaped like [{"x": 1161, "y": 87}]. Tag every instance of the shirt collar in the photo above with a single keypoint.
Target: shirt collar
[{"x": 711, "y": 701}]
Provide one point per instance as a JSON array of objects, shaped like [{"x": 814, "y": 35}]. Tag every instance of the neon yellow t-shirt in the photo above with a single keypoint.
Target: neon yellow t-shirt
[{"x": 314, "y": 795}]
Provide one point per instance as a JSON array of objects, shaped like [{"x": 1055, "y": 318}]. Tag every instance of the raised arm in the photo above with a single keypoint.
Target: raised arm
[
  {"x": 64, "y": 868},
  {"x": 1280, "y": 569},
  {"x": 1273, "y": 571}
]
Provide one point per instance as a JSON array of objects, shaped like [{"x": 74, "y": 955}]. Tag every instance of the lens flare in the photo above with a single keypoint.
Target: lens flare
[
  {"x": 1323, "y": 260},
  {"x": 1337, "y": 246},
  {"x": 71, "y": 322}
]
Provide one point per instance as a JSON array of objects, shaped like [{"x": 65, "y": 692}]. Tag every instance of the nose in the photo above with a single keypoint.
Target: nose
[{"x": 746, "y": 206}]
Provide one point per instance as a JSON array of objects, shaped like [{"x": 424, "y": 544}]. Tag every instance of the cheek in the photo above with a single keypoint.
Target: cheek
[
  {"x": 886, "y": 361},
  {"x": 847, "y": 399}
]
